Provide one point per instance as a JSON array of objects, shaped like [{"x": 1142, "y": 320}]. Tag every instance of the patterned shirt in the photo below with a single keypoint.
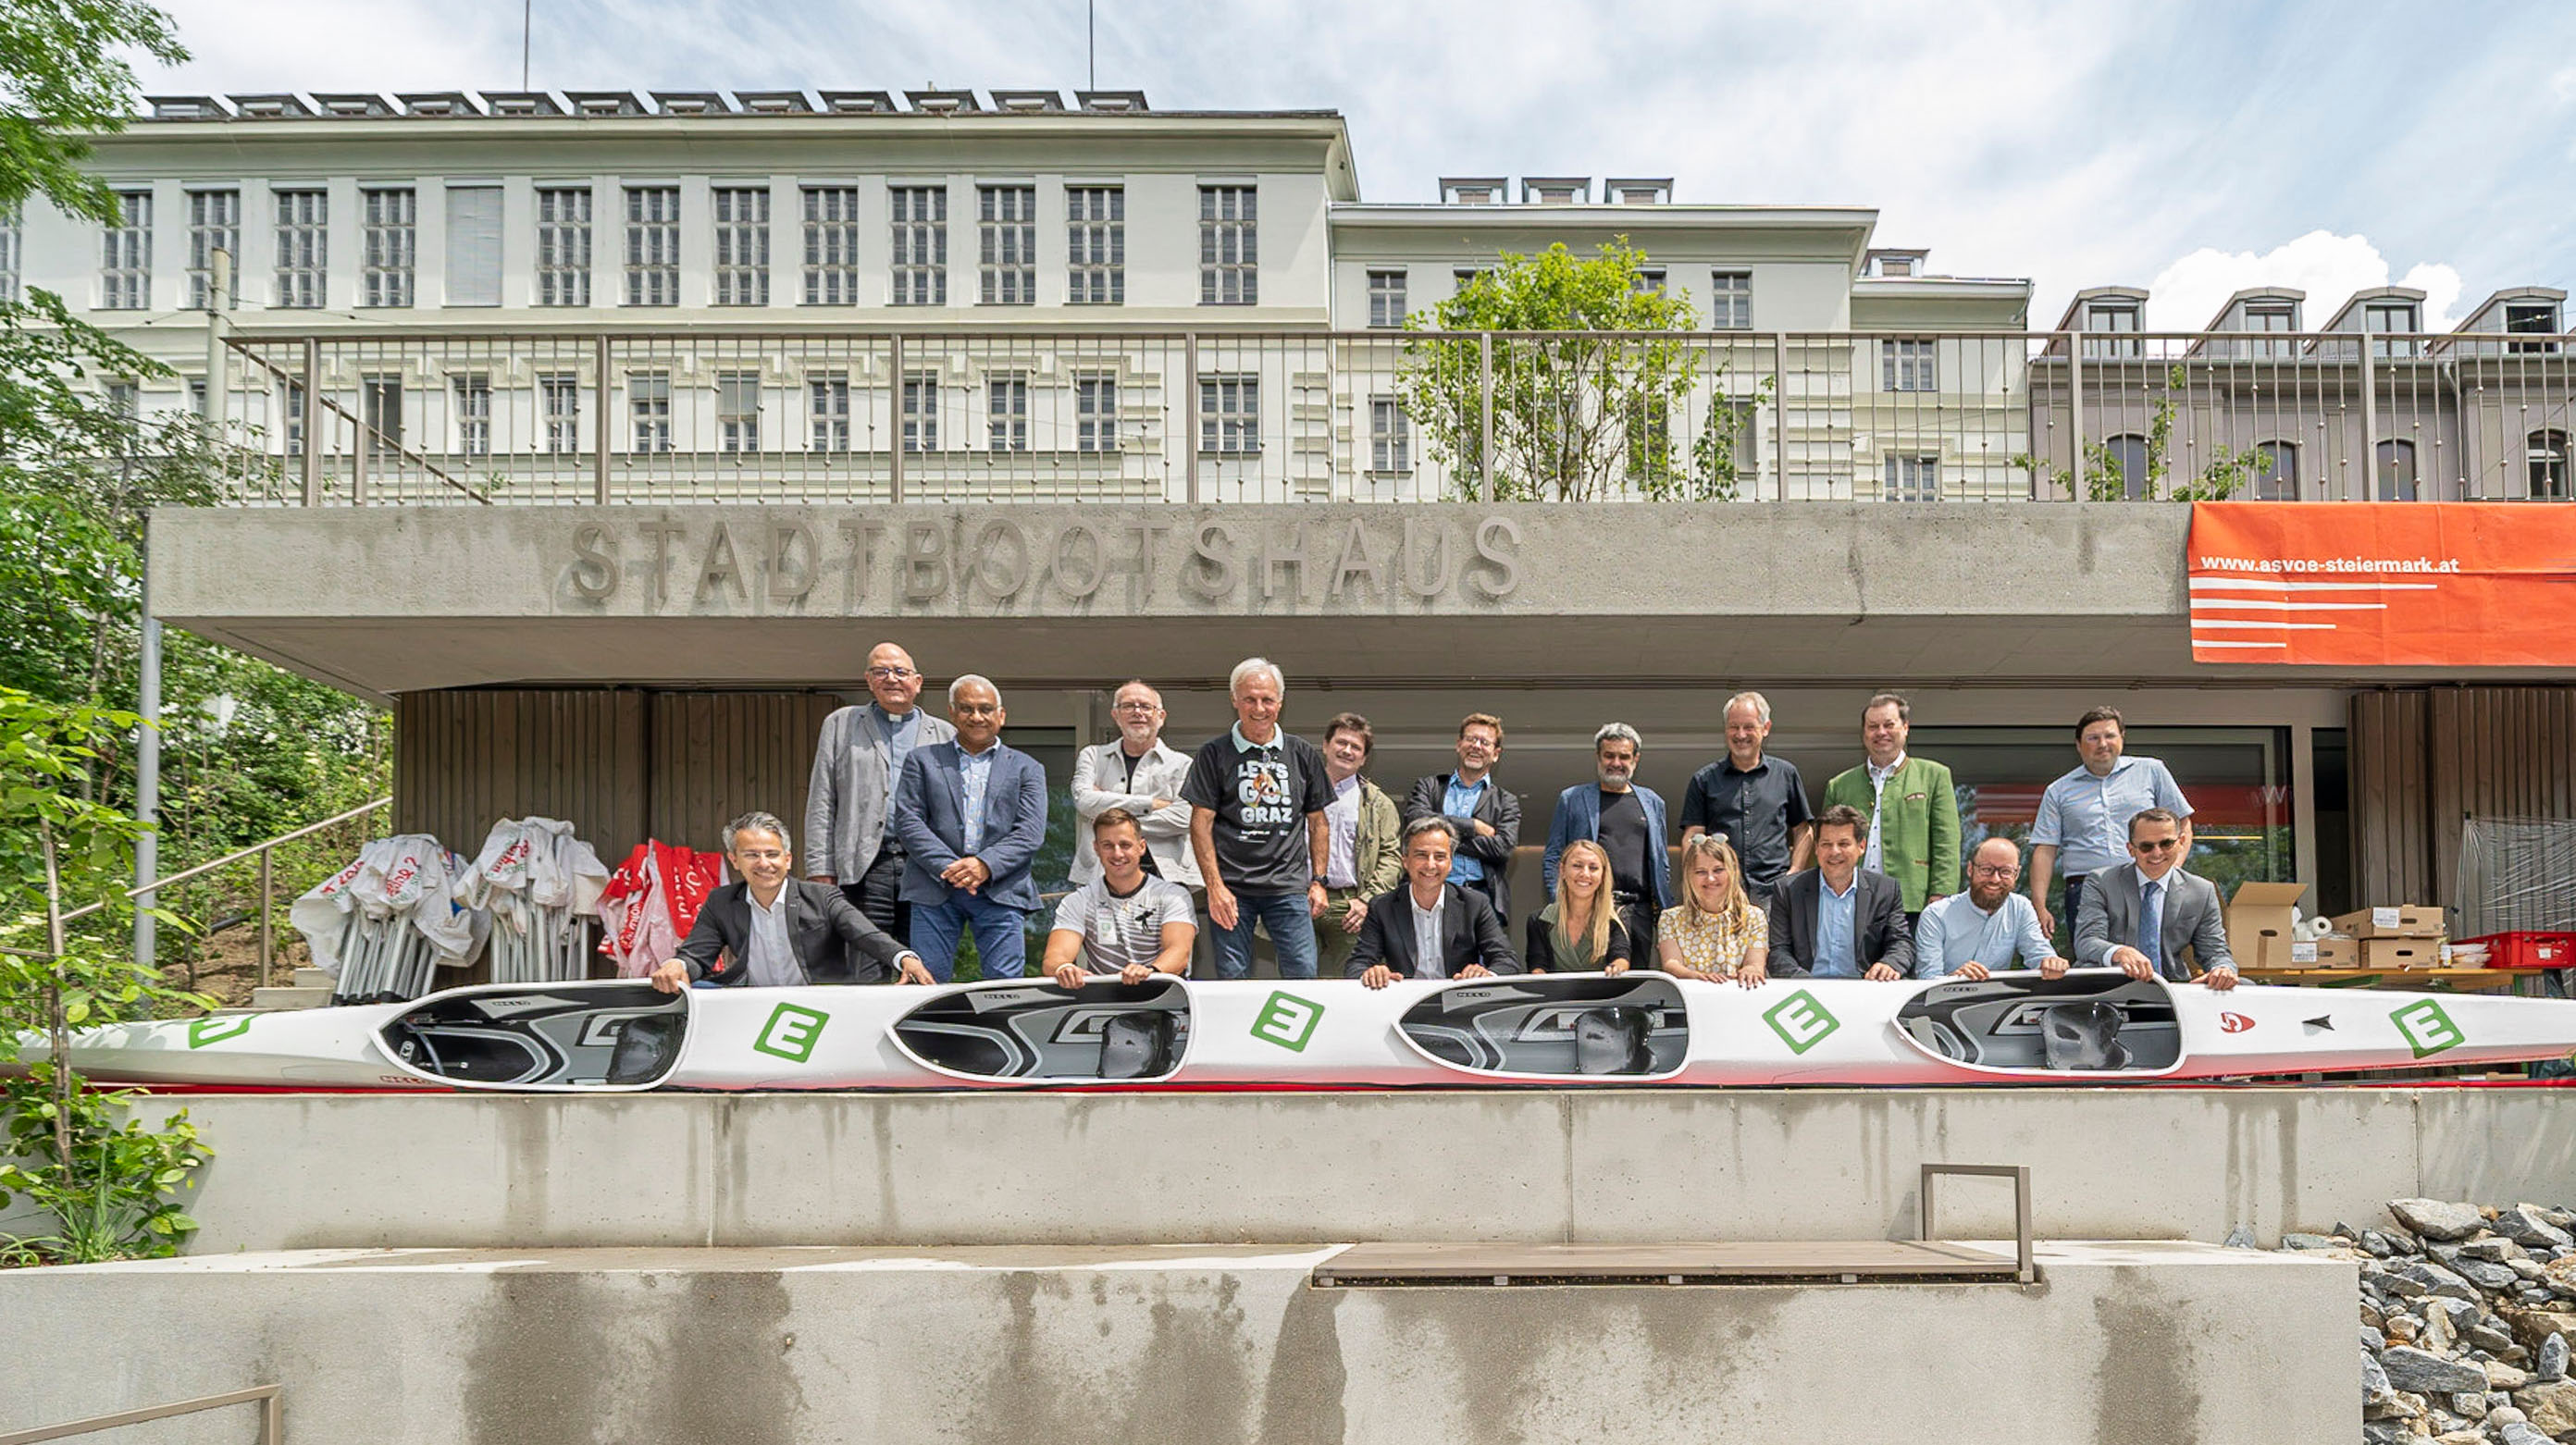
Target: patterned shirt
[{"x": 1717, "y": 942}]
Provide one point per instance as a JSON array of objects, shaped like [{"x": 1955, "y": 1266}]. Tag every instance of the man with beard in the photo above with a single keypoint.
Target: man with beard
[
  {"x": 1628, "y": 822},
  {"x": 1987, "y": 929},
  {"x": 849, "y": 821}
]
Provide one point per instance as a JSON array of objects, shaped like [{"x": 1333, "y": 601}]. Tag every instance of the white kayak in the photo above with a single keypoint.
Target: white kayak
[{"x": 2092, "y": 1026}]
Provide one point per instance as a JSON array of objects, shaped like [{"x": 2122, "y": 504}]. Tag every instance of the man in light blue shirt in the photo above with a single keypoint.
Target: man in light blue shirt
[
  {"x": 1989, "y": 927},
  {"x": 2083, "y": 823},
  {"x": 1837, "y": 917}
]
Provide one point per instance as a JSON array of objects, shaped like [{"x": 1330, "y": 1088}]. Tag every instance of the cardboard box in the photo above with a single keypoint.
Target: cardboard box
[
  {"x": 2258, "y": 924},
  {"x": 2326, "y": 953},
  {"x": 2394, "y": 954},
  {"x": 2405, "y": 920}
]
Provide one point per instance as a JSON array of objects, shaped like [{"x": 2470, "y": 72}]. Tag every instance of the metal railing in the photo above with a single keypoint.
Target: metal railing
[
  {"x": 272, "y": 1417},
  {"x": 2026, "y": 1268},
  {"x": 845, "y": 416},
  {"x": 265, "y": 853}
]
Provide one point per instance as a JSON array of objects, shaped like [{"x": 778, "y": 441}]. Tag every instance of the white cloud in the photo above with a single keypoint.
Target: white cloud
[{"x": 2329, "y": 268}]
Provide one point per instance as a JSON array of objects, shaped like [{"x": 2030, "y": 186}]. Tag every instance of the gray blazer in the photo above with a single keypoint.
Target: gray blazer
[
  {"x": 1100, "y": 784},
  {"x": 2113, "y": 910},
  {"x": 845, "y": 802}
]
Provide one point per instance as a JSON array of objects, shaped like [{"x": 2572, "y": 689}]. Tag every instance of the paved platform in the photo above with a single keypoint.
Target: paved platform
[
  {"x": 301, "y": 1171},
  {"x": 2120, "y": 1344}
]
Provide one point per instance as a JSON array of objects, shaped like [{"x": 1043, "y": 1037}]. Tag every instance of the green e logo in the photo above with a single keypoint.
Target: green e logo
[
  {"x": 2428, "y": 1030},
  {"x": 1800, "y": 1021},
  {"x": 215, "y": 1030},
  {"x": 791, "y": 1033},
  {"x": 1287, "y": 1021}
]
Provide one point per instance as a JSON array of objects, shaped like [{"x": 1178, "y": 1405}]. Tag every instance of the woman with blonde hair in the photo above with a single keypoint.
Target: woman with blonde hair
[
  {"x": 1581, "y": 932},
  {"x": 1715, "y": 933}
]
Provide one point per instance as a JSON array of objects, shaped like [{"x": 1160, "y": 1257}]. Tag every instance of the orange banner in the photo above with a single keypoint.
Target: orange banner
[{"x": 2467, "y": 584}]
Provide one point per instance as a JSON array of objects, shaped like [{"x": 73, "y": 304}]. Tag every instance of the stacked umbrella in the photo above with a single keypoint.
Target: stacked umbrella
[
  {"x": 540, "y": 885},
  {"x": 386, "y": 923}
]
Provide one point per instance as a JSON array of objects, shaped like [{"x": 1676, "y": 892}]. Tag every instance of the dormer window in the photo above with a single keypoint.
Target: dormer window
[
  {"x": 1638, "y": 193},
  {"x": 774, "y": 102},
  {"x": 2272, "y": 318},
  {"x": 2531, "y": 318},
  {"x": 1112, "y": 101},
  {"x": 1896, "y": 266},
  {"x": 857, "y": 102},
  {"x": 2390, "y": 318},
  {"x": 1025, "y": 101},
  {"x": 2117, "y": 321},
  {"x": 1555, "y": 191}
]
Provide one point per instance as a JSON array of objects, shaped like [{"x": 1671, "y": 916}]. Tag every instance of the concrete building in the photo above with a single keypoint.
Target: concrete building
[{"x": 603, "y": 433}]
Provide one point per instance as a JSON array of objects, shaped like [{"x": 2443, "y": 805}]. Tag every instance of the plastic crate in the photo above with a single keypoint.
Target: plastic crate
[{"x": 2527, "y": 950}]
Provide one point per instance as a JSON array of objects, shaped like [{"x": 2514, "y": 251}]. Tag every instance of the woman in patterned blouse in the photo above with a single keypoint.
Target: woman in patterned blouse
[{"x": 1716, "y": 933}]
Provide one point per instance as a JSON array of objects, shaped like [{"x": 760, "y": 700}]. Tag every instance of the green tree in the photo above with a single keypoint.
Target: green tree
[
  {"x": 63, "y": 79},
  {"x": 2229, "y": 475},
  {"x": 1576, "y": 415}
]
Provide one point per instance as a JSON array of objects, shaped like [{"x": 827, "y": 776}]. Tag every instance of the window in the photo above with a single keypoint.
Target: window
[
  {"x": 473, "y": 246},
  {"x": 2546, "y": 452},
  {"x": 1731, "y": 300},
  {"x": 474, "y": 415},
  {"x": 303, "y": 247},
  {"x": 1006, "y": 237},
  {"x": 742, "y": 246},
  {"x": 2391, "y": 317},
  {"x": 214, "y": 224},
  {"x": 2397, "y": 471},
  {"x": 1386, "y": 298},
  {"x": 1096, "y": 245},
  {"x": 831, "y": 245},
  {"x": 2112, "y": 331},
  {"x": 920, "y": 412},
  {"x": 1229, "y": 250},
  {"x": 125, "y": 398},
  {"x": 563, "y": 246},
  {"x": 290, "y": 409},
  {"x": 1908, "y": 366},
  {"x": 380, "y": 406},
  {"x": 652, "y": 245},
  {"x": 828, "y": 398},
  {"x": 1095, "y": 413},
  {"x": 196, "y": 396},
  {"x": 1465, "y": 277},
  {"x": 920, "y": 246},
  {"x": 559, "y": 397},
  {"x": 125, "y": 263},
  {"x": 391, "y": 228},
  {"x": 11, "y": 217},
  {"x": 1648, "y": 281},
  {"x": 2270, "y": 320},
  {"x": 1007, "y": 413},
  {"x": 2276, "y": 472},
  {"x": 2129, "y": 454},
  {"x": 1230, "y": 415},
  {"x": 1912, "y": 477},
  {"x": 738, "y": 411},
  {"x": 2537, "y": 318},
  {"x": 648, "y": 402},
  {"x": 1390, "y": 436}
]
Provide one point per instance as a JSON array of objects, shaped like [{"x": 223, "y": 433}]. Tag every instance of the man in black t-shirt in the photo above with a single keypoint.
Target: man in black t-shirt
[{"x": 1257, "y": 797}]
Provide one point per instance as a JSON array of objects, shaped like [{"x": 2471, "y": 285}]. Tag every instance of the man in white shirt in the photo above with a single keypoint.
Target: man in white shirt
[
  {"x": 1139, "y": 773},
  {"x": 1988, "y": 927},
  {"x": 1126, "y": 923}
]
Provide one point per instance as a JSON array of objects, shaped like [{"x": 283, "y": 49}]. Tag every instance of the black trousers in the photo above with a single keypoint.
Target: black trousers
[
  {"x": 874, "y": 892},
  {"x": 1640, "y": 918},
  {"x": 2074, "y": 900}
]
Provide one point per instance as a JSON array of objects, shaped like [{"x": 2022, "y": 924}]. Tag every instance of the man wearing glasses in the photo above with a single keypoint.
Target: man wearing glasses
[
  {"x": 1485, "y": 816},
  {"x": 1139, "y": 773},
  {"x": 849, "y": 825},
  {"x": 2139, "y": 918},
  {"x": 1987, "y": 928}
]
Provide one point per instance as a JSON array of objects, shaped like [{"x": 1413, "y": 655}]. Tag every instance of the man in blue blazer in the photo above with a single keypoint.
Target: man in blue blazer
[
  {"x": 1628, "y": 822},
  {"x": 971, "y": 814}
]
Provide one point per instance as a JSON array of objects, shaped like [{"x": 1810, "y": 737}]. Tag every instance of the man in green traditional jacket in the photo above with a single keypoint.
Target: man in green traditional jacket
[
  {"x": 1365, "y": 855},
  {"x": 1913, "y": 811}
]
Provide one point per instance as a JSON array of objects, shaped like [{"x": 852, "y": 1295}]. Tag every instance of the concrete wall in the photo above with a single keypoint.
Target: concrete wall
[
  {"x": 338, "y": 1171},
  {"x": 2119, "y": 1345}
]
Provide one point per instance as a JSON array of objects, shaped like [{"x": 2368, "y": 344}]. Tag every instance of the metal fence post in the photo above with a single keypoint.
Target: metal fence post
[
  {"x": 1779, "y": 417},
  {"x": 1190, "y": 432},
  {"x": 267, "y": 915},
  {"x": 1485, "y": 414},
  {"x": 2369, "y": 424},
  {"x": 311, "y": 403},
  {"x": 2075, "y": 485},
  {"x": 894, "y": 395},
  {"x": 599, "y": 424}
]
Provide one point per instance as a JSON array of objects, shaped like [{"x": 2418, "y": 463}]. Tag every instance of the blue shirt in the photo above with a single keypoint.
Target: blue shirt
[
  {"x": 1837, "y": 930},
  {"x": 2087, "y": 818},
  {"x": 1460, "y": 802},
  {"x": 903, "y": 734},
  {"x": 1953, "y": 934},
  {"x": 975, "y": 773}
]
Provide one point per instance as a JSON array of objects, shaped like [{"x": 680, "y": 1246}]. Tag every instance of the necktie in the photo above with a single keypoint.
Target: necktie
[{"x": 2151, "y": 927}]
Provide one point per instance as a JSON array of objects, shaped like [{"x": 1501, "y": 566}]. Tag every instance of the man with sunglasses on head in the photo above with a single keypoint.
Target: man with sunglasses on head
[
  {"x": 2138, "y": 918},
  {"x": 849, "y": 819}
]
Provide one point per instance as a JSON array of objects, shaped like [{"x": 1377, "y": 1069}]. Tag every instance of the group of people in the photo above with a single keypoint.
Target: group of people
[{"x": 922, "y": 832}]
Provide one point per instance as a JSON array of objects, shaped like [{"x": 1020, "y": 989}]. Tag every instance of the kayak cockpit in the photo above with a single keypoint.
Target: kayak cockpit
[
  {"x": 1555, "y": 1026},
  {"x": 589, "y": 1036},
  {"x": 2083, "y": 1023},
  {"x": 1107, "y": 1031}
]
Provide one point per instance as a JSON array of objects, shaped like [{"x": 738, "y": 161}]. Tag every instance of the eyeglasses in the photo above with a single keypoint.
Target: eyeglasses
[
  {"x": 1139, "y": 708},
  {"x": 892, "y": 674},
  {"x": 2156, "y": 845},
  {"x": 1990, "y": 870}
]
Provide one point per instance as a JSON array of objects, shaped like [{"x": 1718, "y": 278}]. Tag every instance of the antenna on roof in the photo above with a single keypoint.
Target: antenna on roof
[
  {"x": 527, "y": 15},
  {"x": 1091, "y": 38}
]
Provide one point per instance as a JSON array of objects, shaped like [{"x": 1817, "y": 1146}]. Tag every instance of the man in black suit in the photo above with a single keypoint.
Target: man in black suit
[
  {"x": 774, "y": 930},
  {"x": 1837, "y": 919},
  {"x": 1430, "y": 928}
]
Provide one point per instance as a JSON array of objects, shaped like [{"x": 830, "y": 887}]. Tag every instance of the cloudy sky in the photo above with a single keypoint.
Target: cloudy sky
[{"x": 2189, "y": 146}]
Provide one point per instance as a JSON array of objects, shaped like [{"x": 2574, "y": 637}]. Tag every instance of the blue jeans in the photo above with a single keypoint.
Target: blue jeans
[
  {"x": 1284, "y": 917},
  {"x": 1001, "y": 934}
]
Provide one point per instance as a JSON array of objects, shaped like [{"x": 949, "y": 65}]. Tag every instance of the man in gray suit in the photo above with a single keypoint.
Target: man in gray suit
[
  {"x": 2140, "y": 918},
  {"x": 849, "y": 827},
  {"x": 971, "y": 814}
]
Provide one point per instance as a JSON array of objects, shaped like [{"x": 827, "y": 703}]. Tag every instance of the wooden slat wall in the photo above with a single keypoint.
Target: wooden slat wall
[
  {"x": 464, "y": 760},
  {"x": 718, "y": 755},
  {"x": 2424, "y": 760}
]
